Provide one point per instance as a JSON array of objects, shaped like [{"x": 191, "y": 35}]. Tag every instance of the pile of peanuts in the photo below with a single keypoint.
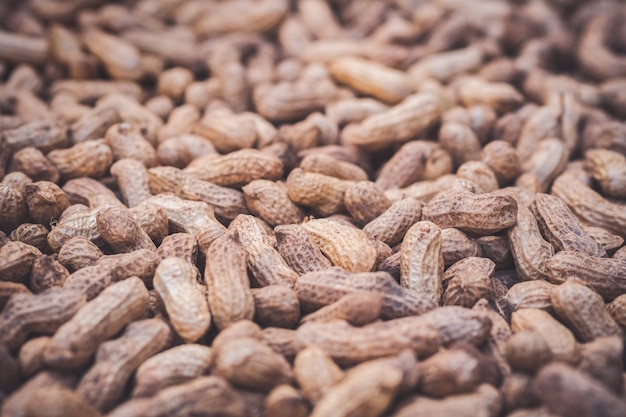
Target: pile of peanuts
[{"x": 315, "y": 208}]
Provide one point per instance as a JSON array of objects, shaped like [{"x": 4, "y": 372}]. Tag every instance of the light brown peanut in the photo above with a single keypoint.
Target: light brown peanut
[
  {"x": 323, "y": 193},
  {"x": 365, "y": 201},
  {"x": 316, "y": 373},
  {"x": 248, "y": 362},
  {"x": 358, "y": 308},
  {"x": 269, "y": 200},
  {"x": 347, "y": 344},
  {"x": 276, "y": 306},
  {"x": 116, "y": 360},
  {"x": 475, "y": 213},
  {"x": 559, "y": 338},
  {"x": 367, "y": 390},
  {"x": 299, "y": 250},
  {"x": 57, "y": 402},
  {"x": 392, "y": 225},
  {"x": 226, "y": 277},
  {"x": 421, "y": 260},
  {"x": 76, "y": 341},
  {"x": 603, "y": 275},
  {"x": 171, "y": 367},
  {"x": 584, "y": 311},
  {"x": 317, "y": 289},
  {"x": 345, "y": 246},
  {"x": 570, "y": 392},
  {"x": 202, "y": 395},
  {"x": 187, "y": 309},
  {"x": 484, "y": 401},
  {"x": 43, "y": 313},
  {"x": 412, "y": 117}
]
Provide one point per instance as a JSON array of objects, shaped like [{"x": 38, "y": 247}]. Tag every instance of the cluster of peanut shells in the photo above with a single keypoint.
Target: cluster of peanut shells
[{"x": 326, "y": 208}]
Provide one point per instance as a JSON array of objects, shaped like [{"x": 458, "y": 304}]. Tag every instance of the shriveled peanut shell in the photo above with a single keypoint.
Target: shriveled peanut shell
[
  {"x": 186, "y": 306},
  {"x": 421, "y": 260},
  {"x": 16, "y": 261},
  {"x": 46, "y": 273},
  {"x": 45, "y": 201}
]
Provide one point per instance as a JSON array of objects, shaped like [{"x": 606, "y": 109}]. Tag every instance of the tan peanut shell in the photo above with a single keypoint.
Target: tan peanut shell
[
  {"x": 358, "y": 309},
  {"x": 187, "y": 309},
  {"x": 411, "y": 117},
  {"x": 561, "y": 227},
  {"x": 226, "y": 277},
  {"x": 323, "y": 193},
  {"x": 276, "y": 306},
  {"x": 345, "y": 246},
  {"x": 475, "y": 213},
  {"x": 269, "y": 200},
  {"x": 365, "y": 201},
  {"x": 421, "y": 260},
  {"x": 391, "y": 226},
  {"x": 559, "y": 338},
  {"x": 248, "y": 362},
  {"x": 348, "y": 345},
  {"x": 299, "y": 250},
  {"x": 25, "y": 314},
  {"x": 317, "y": 289},
  {"x": 171, "y": 367},
  {"x": 116, "y": 360},
  {"x": 316, "y": 373},
  {"x": 584, "y": 311},
  {"x": 367, "y": 391},
  {"x": 76, "y": 341}
]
